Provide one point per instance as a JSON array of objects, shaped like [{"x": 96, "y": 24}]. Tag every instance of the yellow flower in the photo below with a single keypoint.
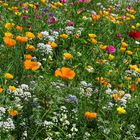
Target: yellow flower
[
  {"x": 132, "y": 11},
  {"x": 30, "y": 48},
  {"x": 102, "y": 47},
  {"x": 122, "y": 49},
  {"x": 9, "y": 25},
  {"x": 116, "y": 96},
  {"x": 30, "y": 35},
  {"x": 129, "y": 52},
  {"x": 121, "y": 110},
  {"x": 92, "y": 35},
  {"x": 128, "y": 78},
  {"x": 124, "y": 44},
  {"x": 43, "y": 1},
  {"x": 138, "y": 70},
  {"x": 133, "y": 27},
  {"x": 111, "y": 57},
  {"x": 93, "y": 41},
  {"x": 133, "y": 67},
  {"x": 67, "y": 56},
  {"x": 39, "y": 35},
  {"x": 12, "y": 88},
  {"x": 137, "y": 24},
  {"x": 138, "y": 80},
  {"x": 58, "y": 4},
  {"x": 53, "y": 6},
  {"x": 8, "y": 76},
  {"x": 64, "y": 36},
  {"x": 8, "y": 34},
  {"x": 5, "y": 4}
]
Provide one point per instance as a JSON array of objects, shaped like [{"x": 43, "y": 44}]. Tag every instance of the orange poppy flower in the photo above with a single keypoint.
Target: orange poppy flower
[
  {"x": 19, "y": 28},
  {"x": 65, "y": 72},
  {"x": 53, "y": 44},
  {"x": 12, "y": 112},
  {"x": 1, "y": 89},
  {"x": 32, "y": 65},
  {"x": 90, "y": 115},
  {"x": 28, "y": 56},
  {"x": 21, "y": 39},
  {"x": 9, "y": 41},
  {"x": 133, "y": 87}
]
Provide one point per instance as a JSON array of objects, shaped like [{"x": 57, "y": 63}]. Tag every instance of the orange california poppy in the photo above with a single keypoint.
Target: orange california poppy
[
  {"x": 65, "y": 72},
  {"x": 32, "y": 65},
  {"x": 21, "y": 39},
  {"x": 9, "y": 41},
  {"x": 90, "y": 115}
]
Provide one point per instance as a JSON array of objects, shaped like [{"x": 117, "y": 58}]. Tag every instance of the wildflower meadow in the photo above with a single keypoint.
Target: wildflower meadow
[{"x": 70, "y": 70}]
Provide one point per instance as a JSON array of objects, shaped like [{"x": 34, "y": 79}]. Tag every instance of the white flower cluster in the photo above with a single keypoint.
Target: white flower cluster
[
  {"x": 2, "y": 111},
  {"x": 124, "y": 96},
  {"x": 60, "y": 120},
  {"x": 7, "y": 125},
  {"x": 86, "y": 88},
  {"x": 22, "y": 92},
  {"x": 58, "y": 85},
  {"x": 52, "y": 36},
  {"x": 44, "y": 48},
  {"x": 69, "y": 29}
]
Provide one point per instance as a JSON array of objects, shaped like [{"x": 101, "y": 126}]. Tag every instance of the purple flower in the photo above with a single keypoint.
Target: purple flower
[
  {"x": 110, "y": 49},
  {"x": 24, "y": 8},
  {"x": 71, "y": 99},
  {"x": 51, "y": 20}
]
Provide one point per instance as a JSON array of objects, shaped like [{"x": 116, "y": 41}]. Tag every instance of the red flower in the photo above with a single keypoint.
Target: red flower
[{"x": 134, "y": 34}]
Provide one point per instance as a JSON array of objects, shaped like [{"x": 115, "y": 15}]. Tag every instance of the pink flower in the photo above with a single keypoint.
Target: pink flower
[
  {"x": 70, "y": 23},
  {"x": 110, "y": 49},
  {"x": 51, "y": 20},
  {"x": 63, "y": 1},
  {"x": 118, "y": 35},
  {"x": 84, "y": 1}
]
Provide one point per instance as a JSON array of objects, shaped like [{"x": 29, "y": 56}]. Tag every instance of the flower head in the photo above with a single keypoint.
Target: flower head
[
  {"x": 134, "y": 34},
  {"x": 110, "y": 49},
  {"x": 9, "y": 41},
  {"x": 8, "y": 76},
  {"x": 12, "y": 112},
  {"x": 65, "y": 73},
  {"x": 121, "y": 110},
  {"x": 90, "y": 115}
]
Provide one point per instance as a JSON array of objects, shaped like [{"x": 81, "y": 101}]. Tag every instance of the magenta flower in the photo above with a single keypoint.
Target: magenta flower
[
  {"x": 110, "y": 49},
  {"x": 63, "y": 1},
  {"x": 51, "y": 20},
  {"x": 118, "y": 35}
]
